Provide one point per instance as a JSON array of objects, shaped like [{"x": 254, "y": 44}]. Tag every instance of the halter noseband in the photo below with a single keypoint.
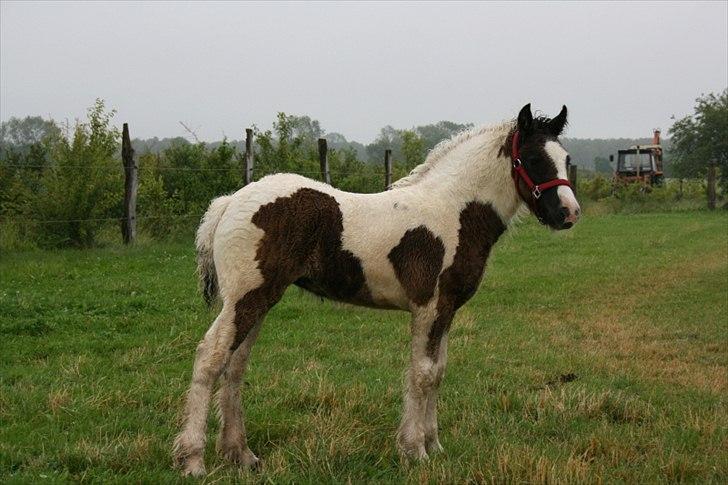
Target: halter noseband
[{"x": 518, "y": 171}]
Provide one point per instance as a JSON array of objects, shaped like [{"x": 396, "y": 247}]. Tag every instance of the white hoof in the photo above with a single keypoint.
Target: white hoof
[
  {"x": 434, "y": 446},
  {"x": 241, "y": 456},
  {"x": 193, "y": 467}
]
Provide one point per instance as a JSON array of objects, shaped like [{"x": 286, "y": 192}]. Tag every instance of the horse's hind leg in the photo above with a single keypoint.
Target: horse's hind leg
[
  {"x": 212, "y": 355},
  {"x": 232, "y": 441},
  {"x": 249, "y": 314}
]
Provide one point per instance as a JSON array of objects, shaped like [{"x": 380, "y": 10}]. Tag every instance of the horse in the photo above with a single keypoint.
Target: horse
[{"x": 420, "y": 246}]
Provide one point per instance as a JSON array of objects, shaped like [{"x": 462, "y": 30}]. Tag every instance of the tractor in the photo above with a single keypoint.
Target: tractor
[{"x": 640, "y": 164}]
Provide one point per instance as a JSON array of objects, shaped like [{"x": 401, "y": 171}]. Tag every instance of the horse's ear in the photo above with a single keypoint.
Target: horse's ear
[
  {"x": 525, "y": 119},
  {"x": 556, "y": 126}
]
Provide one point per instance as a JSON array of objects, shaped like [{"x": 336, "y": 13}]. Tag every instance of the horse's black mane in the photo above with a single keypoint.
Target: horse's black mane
[{"x": 541, "y": 124}]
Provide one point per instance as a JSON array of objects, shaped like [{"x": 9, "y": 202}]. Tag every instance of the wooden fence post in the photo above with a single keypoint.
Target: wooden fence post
[
  {"x": 131, "y": 183},
  {"x": 248, "y": 157},
  {"x": 387, "y": 169},
  {"x": 572, "y": 177},
  {"x": 711, "y": 184},
  {"x": 324, "y": 160}
]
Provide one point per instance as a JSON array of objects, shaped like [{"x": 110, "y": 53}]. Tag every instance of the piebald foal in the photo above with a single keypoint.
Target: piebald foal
[{"x": 421, "y": 247}]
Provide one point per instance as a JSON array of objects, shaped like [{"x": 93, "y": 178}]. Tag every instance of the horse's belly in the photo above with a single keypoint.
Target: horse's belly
[{"x": 333, "y": 291}]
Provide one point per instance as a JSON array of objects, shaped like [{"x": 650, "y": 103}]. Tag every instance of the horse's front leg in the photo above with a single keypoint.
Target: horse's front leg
[{"x": 423, "y": 375}]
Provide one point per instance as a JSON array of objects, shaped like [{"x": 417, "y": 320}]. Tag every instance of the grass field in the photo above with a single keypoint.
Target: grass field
[{"x": 599, "y": 354}]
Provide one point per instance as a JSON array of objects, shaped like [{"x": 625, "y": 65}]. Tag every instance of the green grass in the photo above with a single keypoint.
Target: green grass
[{"x": 96, "y": 350}]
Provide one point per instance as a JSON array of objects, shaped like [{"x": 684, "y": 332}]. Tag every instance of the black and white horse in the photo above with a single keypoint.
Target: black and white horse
[{"x": 420, "y": 247}]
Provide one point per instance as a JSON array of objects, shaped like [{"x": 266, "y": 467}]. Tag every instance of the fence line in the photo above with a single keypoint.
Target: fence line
[
  {"x": 193, "y": 169},
  {"x": 248, "y": 173},
  {"x": 100, "y": 219}
]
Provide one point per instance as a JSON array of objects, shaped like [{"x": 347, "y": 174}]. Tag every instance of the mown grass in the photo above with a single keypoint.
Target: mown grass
[{"x": 598, "y": 354}]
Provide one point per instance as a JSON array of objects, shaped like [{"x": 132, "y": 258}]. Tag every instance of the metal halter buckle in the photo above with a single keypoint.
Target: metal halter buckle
[{"x": 536, "y": 192}]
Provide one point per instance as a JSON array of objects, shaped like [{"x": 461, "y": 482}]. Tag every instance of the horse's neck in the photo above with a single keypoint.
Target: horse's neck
[{"x": 474, "y": 170}]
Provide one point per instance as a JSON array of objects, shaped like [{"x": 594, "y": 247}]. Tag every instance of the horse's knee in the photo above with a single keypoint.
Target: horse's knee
[{"x": 423, "y": 374}]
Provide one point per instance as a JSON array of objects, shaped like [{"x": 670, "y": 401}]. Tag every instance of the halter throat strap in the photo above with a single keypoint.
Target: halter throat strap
[{"x": 518, "y": 171}]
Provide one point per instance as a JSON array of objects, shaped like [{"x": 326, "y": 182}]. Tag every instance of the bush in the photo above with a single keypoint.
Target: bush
[
  {"x": 596, "y": 188},
  {"x": 599, "y": 195},
  {"x": 82, "y": 186},
  {"x": 155, "y": 208},
  {"x": 176, "y": 186}
]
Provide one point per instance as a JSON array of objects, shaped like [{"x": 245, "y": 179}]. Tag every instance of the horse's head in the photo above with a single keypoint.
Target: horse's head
[{"x": 541, "y": 179}]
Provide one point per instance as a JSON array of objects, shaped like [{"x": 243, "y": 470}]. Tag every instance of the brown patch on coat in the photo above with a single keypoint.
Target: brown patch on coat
[
  {"x": 301, "y": 245},
  {"x": 417, "y": 261},
  {"x": 480, "y": 228}
]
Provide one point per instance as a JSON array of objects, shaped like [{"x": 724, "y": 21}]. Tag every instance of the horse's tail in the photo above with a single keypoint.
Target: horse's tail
[{"x": 204, "y": 241}]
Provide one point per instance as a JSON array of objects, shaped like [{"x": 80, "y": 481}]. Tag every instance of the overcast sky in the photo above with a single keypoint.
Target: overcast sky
[{"x": 621, "y": 68}]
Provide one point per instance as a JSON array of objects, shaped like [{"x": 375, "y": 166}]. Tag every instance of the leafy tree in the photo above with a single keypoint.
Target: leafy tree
[
  {"x": 701, "y": 137},
  {"x": 288, "y": 147},
  {"x": 442, "y": 130},
  {"x": 20, "y": 135},
  {"x": 418, "y": 142},
  {"x": 24, "y": 155},
  {"x": 388, "y": 138},
  {"x": 413, "y": 149},
  {"x": 305, "y": 129},
  {"x": 338, "y": 141}
]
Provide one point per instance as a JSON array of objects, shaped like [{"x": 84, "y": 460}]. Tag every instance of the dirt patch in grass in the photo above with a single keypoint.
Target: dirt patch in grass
[{"x": 615, "y": 332}]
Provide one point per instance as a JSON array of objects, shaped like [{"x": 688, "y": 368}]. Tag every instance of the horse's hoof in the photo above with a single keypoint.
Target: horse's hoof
[
  {"x": 254, "y": 464},
  {"x": 414, "y": 453},
  {"x": 188, "y": 458},
  {"x": 241, "y": 456},
  {"x": 434, "y": 446},
  {"x": 418, "y": 456},
  {"x": 193, "y": 467}
]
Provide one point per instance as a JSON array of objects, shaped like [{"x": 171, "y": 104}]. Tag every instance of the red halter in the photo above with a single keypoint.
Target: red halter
[{"x": 519, "y": 171}]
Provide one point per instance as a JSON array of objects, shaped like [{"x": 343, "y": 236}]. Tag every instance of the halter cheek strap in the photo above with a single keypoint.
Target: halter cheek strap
[{"x": 518, "y": 171}]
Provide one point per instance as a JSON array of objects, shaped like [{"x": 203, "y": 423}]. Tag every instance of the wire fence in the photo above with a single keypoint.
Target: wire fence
[
  {"x": 225, "y": 177},
  {"x": 99, "y": 219},
  {"x": 361, "y": 178},
  {"x": 368, "y": 171},
  {"x": 25, "y": 221}
]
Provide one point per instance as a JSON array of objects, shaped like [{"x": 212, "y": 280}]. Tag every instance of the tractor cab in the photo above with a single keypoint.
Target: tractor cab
[{"x": 640, "y": 163}]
